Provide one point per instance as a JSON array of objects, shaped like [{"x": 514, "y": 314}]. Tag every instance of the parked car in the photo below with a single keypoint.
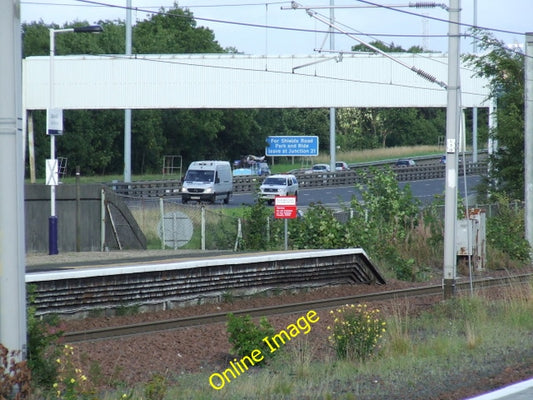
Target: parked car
[
  {"x": 405, "y": 162},
  {"x": 278, "y": 185},
  {"x": 341, "y": 166}
]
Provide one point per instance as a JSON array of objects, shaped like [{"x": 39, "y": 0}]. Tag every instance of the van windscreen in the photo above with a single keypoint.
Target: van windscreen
[{"x": 199, "y": 176}]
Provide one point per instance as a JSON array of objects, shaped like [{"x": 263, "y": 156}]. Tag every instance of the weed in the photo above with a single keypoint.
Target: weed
[
  {"x": 96, "y": 312},
  {"x": 156, "y": 388},
  {"x": 227, "y": 297},
  {"x": 43, "y": 336},
  {"x": 246, "y": 336},
  {"x": 356, "y": 331},
  {"x": 124, "y": 310}
]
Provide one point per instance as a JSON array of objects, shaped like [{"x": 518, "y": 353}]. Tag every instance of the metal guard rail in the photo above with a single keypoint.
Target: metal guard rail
[{"x": 247, "y": 184}]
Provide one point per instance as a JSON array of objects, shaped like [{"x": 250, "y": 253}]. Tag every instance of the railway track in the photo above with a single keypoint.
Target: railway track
[{"x": 171, "y": 324}]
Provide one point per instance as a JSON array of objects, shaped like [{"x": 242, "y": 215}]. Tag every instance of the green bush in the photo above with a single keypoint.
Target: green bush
[
  {"x": 319, "y": 229},
  {"x": 356, "y": 331},
  {"x": 156, "y": 388},
  {"x": 260, "y": 230},
  {"x": 245, "y": 336},
  {"x": 43, "y": 349},
  {"x": 505, "y": 231}
]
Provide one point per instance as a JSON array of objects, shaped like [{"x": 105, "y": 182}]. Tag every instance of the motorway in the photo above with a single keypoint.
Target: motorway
[{"x": 425, "y": 191}]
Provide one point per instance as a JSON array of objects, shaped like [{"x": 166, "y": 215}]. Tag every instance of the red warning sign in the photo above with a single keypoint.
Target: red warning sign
[{"x": 285, "y": 207}]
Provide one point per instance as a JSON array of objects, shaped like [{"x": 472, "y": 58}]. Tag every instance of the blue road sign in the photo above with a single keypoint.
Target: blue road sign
[{"x": 292, "y": 146}]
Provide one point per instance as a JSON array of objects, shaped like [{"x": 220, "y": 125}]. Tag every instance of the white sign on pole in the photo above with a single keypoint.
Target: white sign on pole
[
  {"x": 52, "y": 176},
  {"x": 54, "y": 121}
]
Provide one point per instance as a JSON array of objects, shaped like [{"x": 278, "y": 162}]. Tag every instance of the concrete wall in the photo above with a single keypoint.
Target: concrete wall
[{"x": 37, "y": 212}]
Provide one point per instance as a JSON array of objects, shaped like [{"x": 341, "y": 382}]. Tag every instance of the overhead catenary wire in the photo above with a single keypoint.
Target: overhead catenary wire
[
  {"x": 328, "y": 22},
  {"x": 147, "y": 10}
]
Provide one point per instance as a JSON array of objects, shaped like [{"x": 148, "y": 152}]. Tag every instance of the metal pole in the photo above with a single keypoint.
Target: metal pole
[
  {"x": 102, "y": 220},
  {"x": 12, "y": 249},
  {"x": 286, "y": 237},
  {"x": 474, "y": 110},
  {"x": 202, "y": 228},
  {"x": 528, "y": 137},
  {"x": 163, "y": 227},
  {"x": 52, "y": 221},
  {"x": 78, "y": 210},
  {"x": 452, "y": 129},
  {"x": 127, "y": 112},
  {"x": 332, "y": 112}
]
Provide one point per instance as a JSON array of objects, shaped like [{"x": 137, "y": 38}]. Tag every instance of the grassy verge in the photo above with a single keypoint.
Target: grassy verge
[
  {"x": 421, "y": 357},
  {"x": 284, "y": 164},
  {"x": 356, "y": 156}
]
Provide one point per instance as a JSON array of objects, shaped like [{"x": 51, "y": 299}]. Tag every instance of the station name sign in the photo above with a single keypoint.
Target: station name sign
[{"x": 292, "y": 146}]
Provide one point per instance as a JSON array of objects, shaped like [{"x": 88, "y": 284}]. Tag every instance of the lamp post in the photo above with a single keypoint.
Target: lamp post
[{"x": 54, "y": 122}]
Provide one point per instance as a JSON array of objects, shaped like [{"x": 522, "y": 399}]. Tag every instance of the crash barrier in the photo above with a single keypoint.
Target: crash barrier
[
  {"x": 165, "y": 285},
  {"x": 248, "y": 184}
]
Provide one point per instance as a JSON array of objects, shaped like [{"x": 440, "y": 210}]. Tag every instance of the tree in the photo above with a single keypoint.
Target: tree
[
  {"x": 173, "y": 31},
  {"x": 504, "y": 68},
  {"x": 94, "y": 139},
  {"x": 389, "y": 48}
]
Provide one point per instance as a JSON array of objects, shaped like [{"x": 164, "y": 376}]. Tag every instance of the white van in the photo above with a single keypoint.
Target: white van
[{"x": 207, "y": 181}]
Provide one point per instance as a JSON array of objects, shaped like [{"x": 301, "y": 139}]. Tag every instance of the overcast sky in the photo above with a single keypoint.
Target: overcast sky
[{"x": 255, "y": 27}]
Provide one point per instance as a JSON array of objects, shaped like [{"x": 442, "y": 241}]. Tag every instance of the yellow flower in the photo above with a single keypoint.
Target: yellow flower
[
  {"x": 58, "y": 360},
  {"x": 72, "y": 380},
  {"x": 55, "y": 385},
  {"x": 83, "y": 378}
]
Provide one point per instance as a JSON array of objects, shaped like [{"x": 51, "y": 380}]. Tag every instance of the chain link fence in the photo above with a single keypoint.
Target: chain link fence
[{"x": 168, "y": 224}]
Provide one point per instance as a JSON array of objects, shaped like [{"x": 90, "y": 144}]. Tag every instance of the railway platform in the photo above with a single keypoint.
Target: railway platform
[
  {"x": 43, "y": 262},
  {"x": 518, "y": 391}
]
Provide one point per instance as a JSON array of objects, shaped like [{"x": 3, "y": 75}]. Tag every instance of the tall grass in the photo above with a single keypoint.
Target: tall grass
[{"x": 284, "y": 164}]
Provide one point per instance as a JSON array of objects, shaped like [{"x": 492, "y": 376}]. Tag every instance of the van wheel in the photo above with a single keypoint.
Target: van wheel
[
  {"x": 226, "y": 199},
  {"x": 213, "y": 199},
  {"x": 270, "y": 202},
  {"x": 184, "y": 200}
]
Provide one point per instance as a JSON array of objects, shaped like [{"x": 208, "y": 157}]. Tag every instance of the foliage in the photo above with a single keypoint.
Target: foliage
[
  {"x": 71, "y": 383},
  {"x": 504, "y": 68},
  {"x": 43, "y": 337},
  {"x": 505, "y": 230},
  {"x": 156, "y": 388},
  {"x": 258, "y": 227},
  {"x": 221, "y": 230},
  {"x": 356, "y": 331},
  {"x": 245, "y": 336},
  {"x": 319, "y": 229},
  {"x": 386, "y": 47},
  {"x": 383, "y": 219},
  {"x": 367, "y": 128},
  {"x": 15, "y": 376}
]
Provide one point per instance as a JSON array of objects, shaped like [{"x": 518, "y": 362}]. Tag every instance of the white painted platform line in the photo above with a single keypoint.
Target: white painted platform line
[{"x": 506, "y": 391}]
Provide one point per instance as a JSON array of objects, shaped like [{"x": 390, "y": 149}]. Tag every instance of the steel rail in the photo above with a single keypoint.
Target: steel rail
[{"x": 172, "y": 324}]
